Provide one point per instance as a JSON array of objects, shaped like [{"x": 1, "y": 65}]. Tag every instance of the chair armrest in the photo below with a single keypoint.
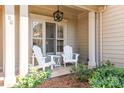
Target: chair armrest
[
  {"x": 44, "y": 57},
  {"x": 76, "y": 54},
  {"x": 34, "y": 57}
]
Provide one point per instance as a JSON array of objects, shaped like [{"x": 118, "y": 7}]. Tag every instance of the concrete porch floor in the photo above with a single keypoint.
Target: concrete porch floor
[{"x": 57, "y": 71}]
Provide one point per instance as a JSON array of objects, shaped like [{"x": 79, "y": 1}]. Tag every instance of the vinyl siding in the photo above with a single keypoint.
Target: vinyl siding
[
  {"x": 71, "y": 34},
  {"x": 82, "y": 37},
  {"x": 113, "y": 34}
]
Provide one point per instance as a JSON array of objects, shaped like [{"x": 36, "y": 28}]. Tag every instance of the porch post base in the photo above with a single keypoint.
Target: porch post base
[
  {"x": 90, "y": 66},
  {"x": 10, "y": 81}
]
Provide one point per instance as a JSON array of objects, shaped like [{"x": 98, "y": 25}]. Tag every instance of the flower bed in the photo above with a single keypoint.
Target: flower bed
[{"x": 65, "y": 81}]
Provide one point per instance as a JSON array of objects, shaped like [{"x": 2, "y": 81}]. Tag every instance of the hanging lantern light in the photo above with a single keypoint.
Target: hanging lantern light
[{"x": 58, "y": 15}]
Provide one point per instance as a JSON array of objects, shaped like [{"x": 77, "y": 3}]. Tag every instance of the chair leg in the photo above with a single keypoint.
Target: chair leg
[
  {"x": 64, "y": 64},
  {"x": 76, "y": 64},
  {"x": 51, "y": 67},
  {"x": 43, "y": 68}
]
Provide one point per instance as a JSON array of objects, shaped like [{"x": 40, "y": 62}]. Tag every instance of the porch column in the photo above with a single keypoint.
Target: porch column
[
  {"x": 9, "y": 46},
  {"x": 23, "y": 40},
  {"x": 92, "y": 63}
]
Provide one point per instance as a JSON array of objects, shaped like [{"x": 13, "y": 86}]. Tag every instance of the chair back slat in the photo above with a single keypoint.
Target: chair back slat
[
  {"x": 38, "y": 54},
  {"x": 68, "y": 52}
]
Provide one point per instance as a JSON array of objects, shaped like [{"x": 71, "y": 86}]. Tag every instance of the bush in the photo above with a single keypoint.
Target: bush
[
  {"x": 107, "y": 76},
  {"x": 33, "y": 79},
  {"x": 81, "y": 72},
  {"x": 106, "y": 64}
]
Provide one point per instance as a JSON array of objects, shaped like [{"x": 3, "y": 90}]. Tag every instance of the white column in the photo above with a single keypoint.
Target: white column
[
  {"x": 24, "y": 40},
  {"x": 91, "y": 63},
  {"x": 9, "y": 46}
]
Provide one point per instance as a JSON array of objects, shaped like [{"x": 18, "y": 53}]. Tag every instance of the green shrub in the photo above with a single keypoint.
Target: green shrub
[
  {"x": 107, "y": 76},
  {"x": 33, "y": 79},
  {"x": 81, "y": 72},
  {"x": 106, "y": 64}
]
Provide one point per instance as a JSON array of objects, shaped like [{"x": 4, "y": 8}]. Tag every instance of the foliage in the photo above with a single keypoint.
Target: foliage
[
  {"x": 106, "y": 64},
  {"x": 81, "y": 72},
  {"x": 107, "y": 76},
  {"x": 33, "y": 79}
]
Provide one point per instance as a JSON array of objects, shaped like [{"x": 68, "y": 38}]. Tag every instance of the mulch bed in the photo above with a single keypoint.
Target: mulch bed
[{"x": 66, "y": 81}]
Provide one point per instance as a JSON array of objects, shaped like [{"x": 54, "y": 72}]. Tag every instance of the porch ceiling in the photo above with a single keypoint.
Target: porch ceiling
[
  {"x": 86, "y": 7},
  {"x": 71, "y": 9},
  {"x": 66, "y": 8}
]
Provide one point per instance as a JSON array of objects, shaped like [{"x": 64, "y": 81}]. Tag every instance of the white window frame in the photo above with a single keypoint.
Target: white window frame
[{"x": 44, "y": 19}]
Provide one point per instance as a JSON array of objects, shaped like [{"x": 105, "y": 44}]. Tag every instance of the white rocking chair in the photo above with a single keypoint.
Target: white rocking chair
[
  {"x": 69, "y": 56},
  {"x": 40, "y": 59}
]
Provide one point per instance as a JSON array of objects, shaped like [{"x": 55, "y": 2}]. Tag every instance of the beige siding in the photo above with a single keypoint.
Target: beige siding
[
  {"x": 82, "y": 36},
  {"x": 113, "y": 34},
  {"x": 71, "y": 34}
]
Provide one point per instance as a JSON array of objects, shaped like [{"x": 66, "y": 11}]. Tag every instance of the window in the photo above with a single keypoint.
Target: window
[
  {"x": 37, "y": 34},
  {"x": 50, "y": 37},
  {"x": 60, "y": 45},
  {"x": 54, "y": 38},
  {"x": 60, "y": 38},
  {"x": 37, "y": 29}
]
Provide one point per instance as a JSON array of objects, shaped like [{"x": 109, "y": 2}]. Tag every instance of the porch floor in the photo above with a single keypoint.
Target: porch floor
[{"x": 58, "y": 71}]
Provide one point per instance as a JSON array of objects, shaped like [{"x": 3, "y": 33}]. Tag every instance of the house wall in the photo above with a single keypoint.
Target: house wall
[
  {"x": 72, "y": 23},
  {"x": 1, "y": 38},
  {"x": 113, "y": 34},
  {"x": 71, "y": 26},
  {"x": 82, "y": 36}
]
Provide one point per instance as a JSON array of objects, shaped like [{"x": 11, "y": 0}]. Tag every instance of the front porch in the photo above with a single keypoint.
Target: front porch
[
  {"x": 79, "y": 31},
  {"x": 58, "y": 71}
]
